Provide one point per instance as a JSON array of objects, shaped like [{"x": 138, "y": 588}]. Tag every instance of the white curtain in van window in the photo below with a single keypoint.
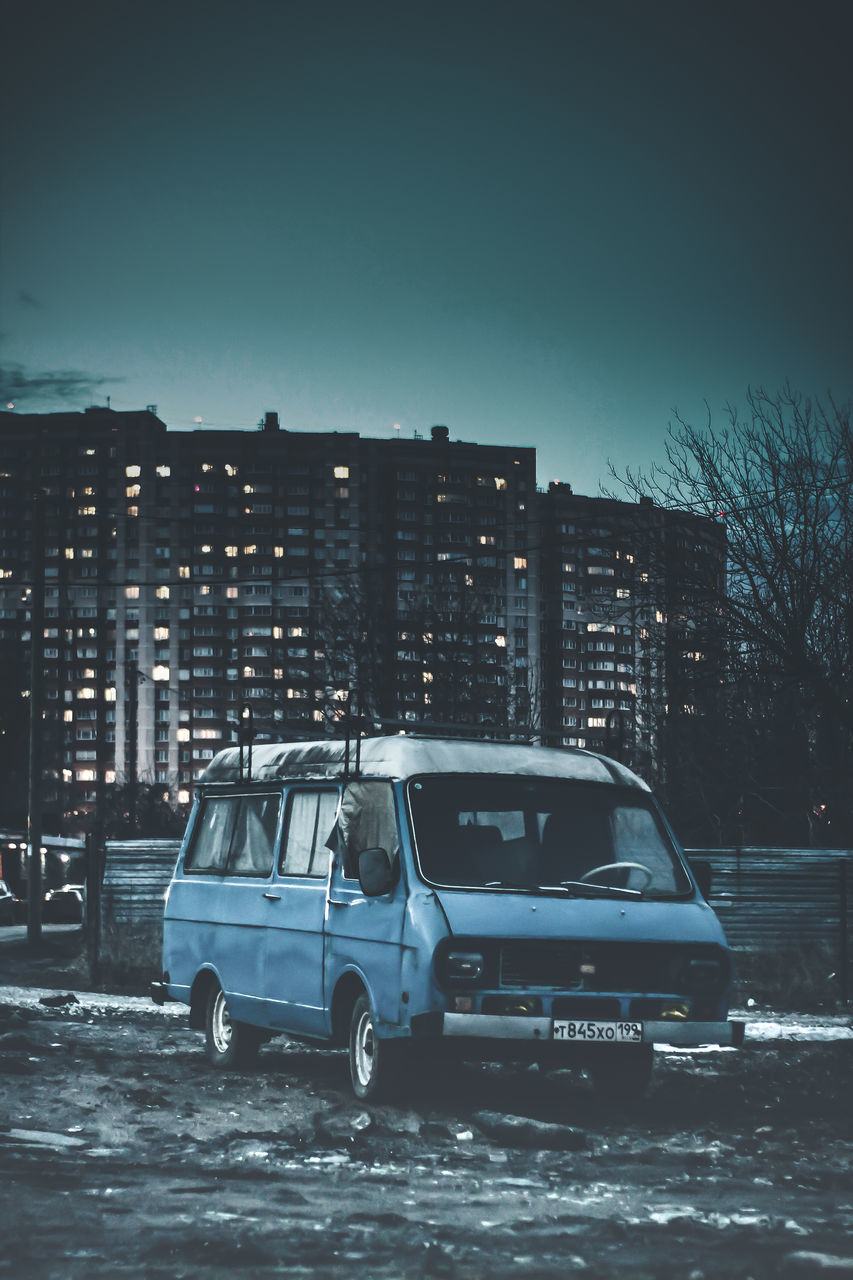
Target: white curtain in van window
[{"x": 368, "y": 820}]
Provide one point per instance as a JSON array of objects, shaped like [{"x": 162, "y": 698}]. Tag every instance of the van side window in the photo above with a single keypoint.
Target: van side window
[
  {"x": 310, "y": 818},
  {"x": 235, "y": 835},
  {"x": 254, "y": 836},
  {"x": 212, "y": 837}
]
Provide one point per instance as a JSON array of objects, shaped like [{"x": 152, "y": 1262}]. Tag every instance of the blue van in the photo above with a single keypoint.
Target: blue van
[{"x": 401, "y": 895}]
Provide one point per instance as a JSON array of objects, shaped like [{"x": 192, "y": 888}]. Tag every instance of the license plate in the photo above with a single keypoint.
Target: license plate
[{"x": 598, "y": 1032}]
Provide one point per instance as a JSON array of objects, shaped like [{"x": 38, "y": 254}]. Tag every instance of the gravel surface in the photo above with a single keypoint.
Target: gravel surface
[{"x": 122, "y": 1152}]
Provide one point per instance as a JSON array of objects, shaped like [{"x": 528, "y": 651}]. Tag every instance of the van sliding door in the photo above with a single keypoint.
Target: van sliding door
[{"x": 294, "y": 935}]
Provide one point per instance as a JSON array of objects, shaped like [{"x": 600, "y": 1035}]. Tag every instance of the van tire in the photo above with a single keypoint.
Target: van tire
[
  {"x": 622, "y": 1074},
  {"x": 229, "y": 1044},
  {"x": 376, "y": 1066}
]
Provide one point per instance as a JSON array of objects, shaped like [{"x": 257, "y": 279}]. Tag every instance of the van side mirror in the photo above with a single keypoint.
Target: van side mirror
[
  {"x": 702, "y": 875},
  {"x": 375, "y": 874}
]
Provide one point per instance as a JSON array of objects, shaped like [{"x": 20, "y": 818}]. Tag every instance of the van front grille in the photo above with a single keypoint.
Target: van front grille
[
  {"x": 610, "y": 966},
  {"x": 540, "y": 964}
]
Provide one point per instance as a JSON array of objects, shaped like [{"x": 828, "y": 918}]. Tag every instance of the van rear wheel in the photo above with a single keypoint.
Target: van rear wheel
[
  {"x": 229, "y": 1044},
  {"x": 376, "y": 1066}
]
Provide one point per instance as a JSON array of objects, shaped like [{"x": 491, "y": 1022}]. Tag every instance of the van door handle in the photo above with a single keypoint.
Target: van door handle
[
  {"x": 273, "y": 897},
  {"x": 336, "y": 902}
]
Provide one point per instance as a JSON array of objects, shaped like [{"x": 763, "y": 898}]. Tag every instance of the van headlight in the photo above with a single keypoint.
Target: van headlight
[{"x": 462, "y": 966}]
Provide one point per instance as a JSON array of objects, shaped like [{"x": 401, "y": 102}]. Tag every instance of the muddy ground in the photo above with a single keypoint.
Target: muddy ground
[{"x": 122, "y": 1152}]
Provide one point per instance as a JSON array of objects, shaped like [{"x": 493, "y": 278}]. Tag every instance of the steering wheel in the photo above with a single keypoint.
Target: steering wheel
[{"x": 621, "y": 866}]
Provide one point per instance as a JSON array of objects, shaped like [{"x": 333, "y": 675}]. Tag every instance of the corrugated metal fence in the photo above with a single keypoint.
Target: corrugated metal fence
[
  {"x": 129, "y": 921},
  {"x": 770, "y": 899},
  {"x": 767, "y": 900}
]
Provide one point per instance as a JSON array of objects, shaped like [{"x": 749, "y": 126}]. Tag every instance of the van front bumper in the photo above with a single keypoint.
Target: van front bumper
[{"x": 487, "y": 1026}]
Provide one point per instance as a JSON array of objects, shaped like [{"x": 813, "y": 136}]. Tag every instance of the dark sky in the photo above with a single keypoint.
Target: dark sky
[{"x": 538, "y": 223}]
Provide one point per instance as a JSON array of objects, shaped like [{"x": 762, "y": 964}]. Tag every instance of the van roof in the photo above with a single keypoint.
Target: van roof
[{"x": 400, "y": 756}]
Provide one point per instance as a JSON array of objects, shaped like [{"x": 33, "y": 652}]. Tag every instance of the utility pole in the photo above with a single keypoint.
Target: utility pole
[
  {"x": 132, "y": 678},
  {"x": 34, "y": 811}
]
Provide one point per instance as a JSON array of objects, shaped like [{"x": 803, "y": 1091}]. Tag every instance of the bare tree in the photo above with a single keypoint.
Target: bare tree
[{"x": 779, "y": 477}]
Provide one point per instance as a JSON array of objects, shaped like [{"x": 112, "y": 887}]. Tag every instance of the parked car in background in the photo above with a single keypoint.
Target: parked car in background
[
  {"x": 7, "y": 904},
  {"x": 63, "y": 905}
]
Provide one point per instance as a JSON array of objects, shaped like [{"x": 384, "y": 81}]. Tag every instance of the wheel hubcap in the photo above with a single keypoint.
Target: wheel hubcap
[
  {"x": 365, "y": 1048},
  {"x": 221, "y": 1025}
]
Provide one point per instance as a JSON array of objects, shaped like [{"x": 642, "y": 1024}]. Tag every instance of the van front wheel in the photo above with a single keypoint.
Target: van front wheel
[
  {"x": 375, "y": 1065},
  {"x": 229, "y": 1044}
]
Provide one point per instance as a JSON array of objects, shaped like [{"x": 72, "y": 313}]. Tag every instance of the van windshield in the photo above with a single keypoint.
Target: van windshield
[{"x": 541, "y": 834}]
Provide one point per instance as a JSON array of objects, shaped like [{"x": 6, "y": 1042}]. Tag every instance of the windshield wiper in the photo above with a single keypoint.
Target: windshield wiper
[
  {"x": 587, "y": 889},
  {"x": 572, "y": 888},
  {"x": 517, "y": 886}
]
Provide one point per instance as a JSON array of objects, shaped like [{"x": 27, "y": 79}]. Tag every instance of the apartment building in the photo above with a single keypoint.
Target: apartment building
[
  {"x": 189, "y": 573},
  {"x": 624, "y": 591}
]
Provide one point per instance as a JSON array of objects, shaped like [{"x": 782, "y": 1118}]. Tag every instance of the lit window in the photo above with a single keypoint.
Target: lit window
[
  {"x": 183, "y": 571},
  {"x": 248, "y": 488},
  {"x": 251, "y": 550},
  {"x": 207, "y": 466},
  {"x": 279, "y": 552},
  {"x": 231, "y": 551},
  {"x": 133, "y": 491},
  {"x": 232, "y": 593},
  {"x": 500, "y": 641},
  {"x": 132, "y": 472},
  {"x": 342, "y": 473},
  {"x": 68, "y": 716},
  {"x": 87, "y": 693},
  {"x": 164, "y": 470},
  {"x": 161, "y": 633},
  {"x": 520, "y": 562},
  {"x": 162, "y": 593},
  {"x": 183, "y": 735},
  {"x": 206, "y": 548},
  {"x": 110, "y": 694},
  {"x": 69, "y": 553},
  {"x": 183, "y": 797},
  {"x": 131, "y": 593},
  {"x": 160, "y": 672}
]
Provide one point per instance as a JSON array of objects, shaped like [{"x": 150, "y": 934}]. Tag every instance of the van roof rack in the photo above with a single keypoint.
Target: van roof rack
[{"x": 464, "y": 732}]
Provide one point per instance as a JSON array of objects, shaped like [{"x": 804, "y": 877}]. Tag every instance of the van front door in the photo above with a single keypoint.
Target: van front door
[
  {"x": 294, "y": 935},
  {"x": 364, "y": 935}
]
